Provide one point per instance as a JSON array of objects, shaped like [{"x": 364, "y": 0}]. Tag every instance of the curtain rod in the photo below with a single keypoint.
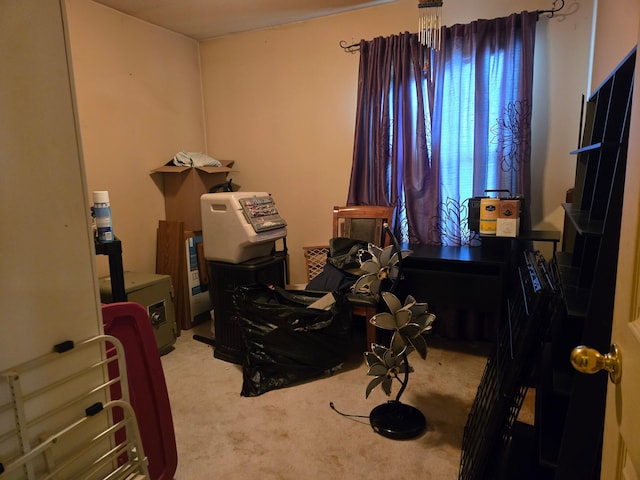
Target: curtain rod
[
  {"x": 353, "y": 48},
  {"x": 550, "y": 13},
  {"x": 553, "y": 10}
]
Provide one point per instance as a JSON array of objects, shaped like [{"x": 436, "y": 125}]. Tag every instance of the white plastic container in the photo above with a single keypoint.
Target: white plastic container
[
  {"x": 102, "y": 215},
  {"x": 229, "y": 236}
]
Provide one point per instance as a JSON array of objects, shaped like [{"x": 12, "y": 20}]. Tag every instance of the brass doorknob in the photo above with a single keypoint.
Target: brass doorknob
[{"x": 589, "y": 360}]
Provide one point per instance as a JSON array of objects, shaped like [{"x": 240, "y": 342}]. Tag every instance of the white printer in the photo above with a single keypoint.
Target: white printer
[{"x": 239, "y": 226}]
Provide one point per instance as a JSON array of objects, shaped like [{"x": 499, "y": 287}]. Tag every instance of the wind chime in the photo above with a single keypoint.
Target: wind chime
[{"x": 429, "y": 23}]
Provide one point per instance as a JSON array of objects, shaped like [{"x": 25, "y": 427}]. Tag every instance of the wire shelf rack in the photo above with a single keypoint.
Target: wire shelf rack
[{"x": 65, "y": 415}]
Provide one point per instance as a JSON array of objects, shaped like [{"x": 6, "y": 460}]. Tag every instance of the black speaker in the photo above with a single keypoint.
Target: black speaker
[{"x": 473, "y": 219}]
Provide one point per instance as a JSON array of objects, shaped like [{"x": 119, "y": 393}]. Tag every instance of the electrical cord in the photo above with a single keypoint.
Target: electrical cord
[{"x": 347, "y": 415}]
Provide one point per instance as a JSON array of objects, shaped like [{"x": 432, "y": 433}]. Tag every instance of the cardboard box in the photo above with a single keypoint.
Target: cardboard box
[
  {"x": 508, "y": 223},
  {"x": 509, "y": 208},
  {"x": 183, "y": 186},
  {"x": 507, "y": 227}
]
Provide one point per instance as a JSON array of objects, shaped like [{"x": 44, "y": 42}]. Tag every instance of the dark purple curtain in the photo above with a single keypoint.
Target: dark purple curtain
[
  {"x": 391, "y": 159},
  {"x": 427, "y": 147},
  {"x": 482, "y": 117}
]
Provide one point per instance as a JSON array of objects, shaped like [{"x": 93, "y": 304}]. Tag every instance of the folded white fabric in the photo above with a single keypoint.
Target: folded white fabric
[{"x": 195, "y": 159}]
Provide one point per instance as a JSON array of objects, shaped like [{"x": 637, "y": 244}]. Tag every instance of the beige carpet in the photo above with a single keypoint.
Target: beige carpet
[{"x": 293, "y": 433}]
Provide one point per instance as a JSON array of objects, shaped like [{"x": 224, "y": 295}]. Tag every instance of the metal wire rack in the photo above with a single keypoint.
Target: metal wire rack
[{"x": 66, "y": 416}]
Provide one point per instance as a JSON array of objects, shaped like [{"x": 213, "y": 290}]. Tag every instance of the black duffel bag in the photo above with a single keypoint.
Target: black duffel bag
[
  {"x": 342, "y": 268},
  {"x": 285, "y": 341}
]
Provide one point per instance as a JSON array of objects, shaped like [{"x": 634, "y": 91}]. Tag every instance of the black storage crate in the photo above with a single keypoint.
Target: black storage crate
[{"x": 224, "y": 278}]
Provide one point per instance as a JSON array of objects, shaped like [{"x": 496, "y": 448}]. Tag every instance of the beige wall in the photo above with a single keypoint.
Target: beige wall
[
  {"x": 616, "y": 35},
  {"x": 281, "y": 102},
  {"x": 139, "y": 102}
]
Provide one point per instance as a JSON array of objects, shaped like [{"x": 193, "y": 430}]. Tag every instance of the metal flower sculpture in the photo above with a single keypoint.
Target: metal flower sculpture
[
  {"x": 380, "y": 264},
  {"x": 385, "y": 366},
  {"x": 409, "y": 323}
]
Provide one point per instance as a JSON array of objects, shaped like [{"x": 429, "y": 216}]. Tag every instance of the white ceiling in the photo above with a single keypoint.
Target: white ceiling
[{"x": 202, "y": 19}]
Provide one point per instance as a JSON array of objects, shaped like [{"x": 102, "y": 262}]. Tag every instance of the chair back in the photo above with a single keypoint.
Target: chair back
[{"x": 362, "y": 222}]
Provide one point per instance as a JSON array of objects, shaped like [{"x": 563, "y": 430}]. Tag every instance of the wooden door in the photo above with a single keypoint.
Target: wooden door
[
  {"x": 621, "y": 449},
  {"x": 48, "y": 288}
]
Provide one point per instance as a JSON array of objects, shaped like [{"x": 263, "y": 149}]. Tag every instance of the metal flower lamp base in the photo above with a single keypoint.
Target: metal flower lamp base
[{"x": 397, "y": 420}]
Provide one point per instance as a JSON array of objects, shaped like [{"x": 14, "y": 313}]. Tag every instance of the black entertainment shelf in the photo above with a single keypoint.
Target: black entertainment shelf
[{"x": 570, "y": 405}]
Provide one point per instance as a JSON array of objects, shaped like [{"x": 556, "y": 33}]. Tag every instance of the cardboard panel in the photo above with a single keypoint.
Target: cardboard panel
[{"x": 183, "y": 186}]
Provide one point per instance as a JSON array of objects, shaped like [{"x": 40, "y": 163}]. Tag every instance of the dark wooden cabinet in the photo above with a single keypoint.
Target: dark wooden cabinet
[
  {"x": 477, "y": 279},
  {"x": 570, "y": 405},
  {"x": 456, "y": 277}
]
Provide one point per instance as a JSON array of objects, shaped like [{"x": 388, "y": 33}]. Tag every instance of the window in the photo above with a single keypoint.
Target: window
[{"x": 428, "y": 143}]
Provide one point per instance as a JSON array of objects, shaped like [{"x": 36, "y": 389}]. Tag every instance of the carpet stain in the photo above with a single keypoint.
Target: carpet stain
[
  {"x": 274, "y": 410},
  {"x": 334, "y": 460}
]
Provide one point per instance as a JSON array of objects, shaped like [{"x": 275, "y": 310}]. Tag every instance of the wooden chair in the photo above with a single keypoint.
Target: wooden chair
[{"x": 363, "y": 223}]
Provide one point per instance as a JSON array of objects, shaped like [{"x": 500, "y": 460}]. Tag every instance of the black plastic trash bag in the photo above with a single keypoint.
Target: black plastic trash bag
[{"x": 287, "y": 342}]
